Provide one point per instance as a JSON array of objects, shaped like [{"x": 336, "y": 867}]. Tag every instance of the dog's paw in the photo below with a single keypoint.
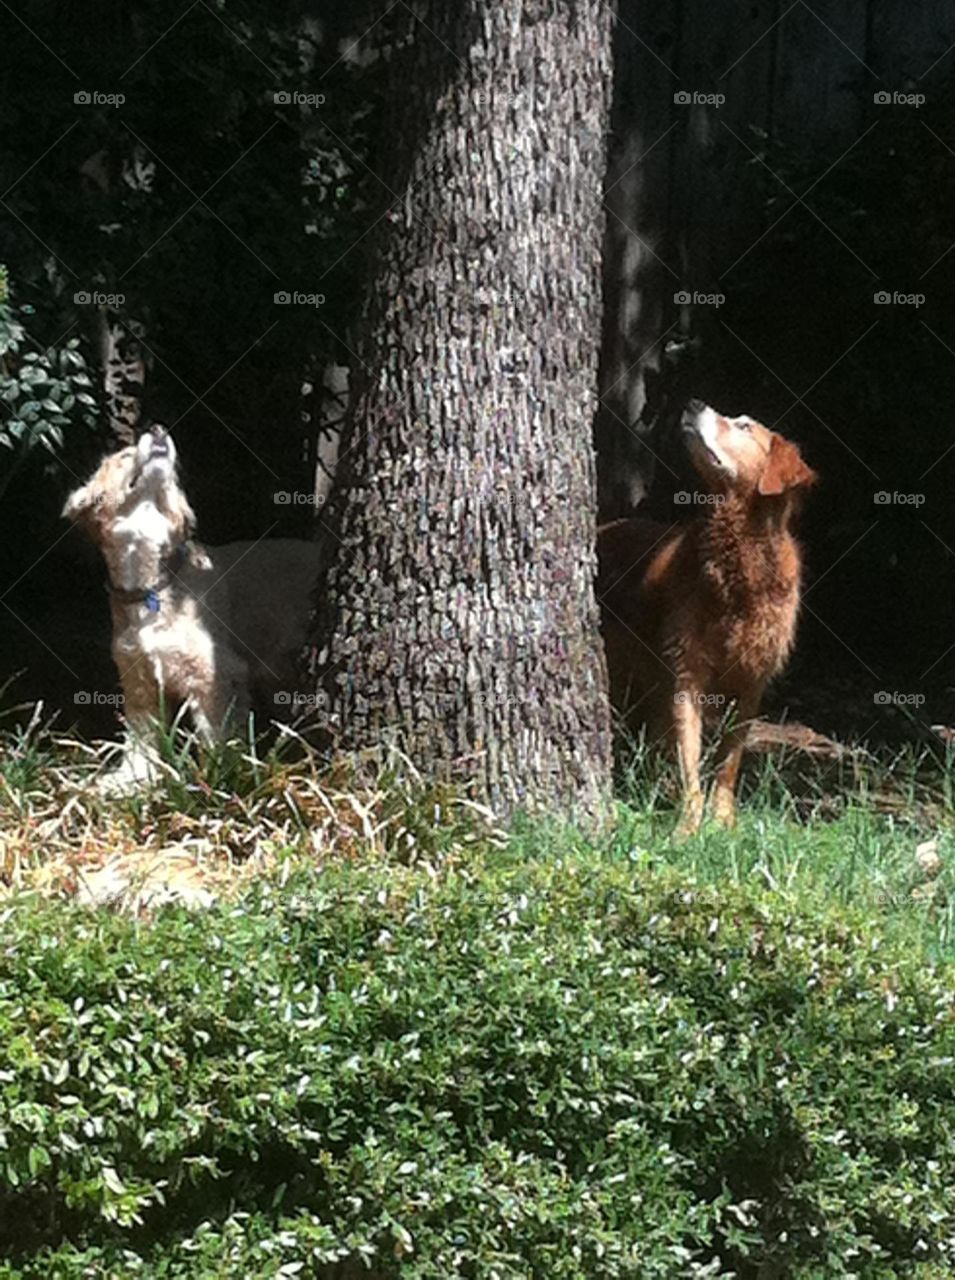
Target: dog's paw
[
  {"x": 691, "y": 818},
  {"x": 723, "y": 806},
  {"x": 724, "y": 812},
  {"x": 133, "y": 775}
]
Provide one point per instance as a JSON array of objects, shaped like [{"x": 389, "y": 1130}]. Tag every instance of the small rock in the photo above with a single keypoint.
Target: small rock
[{"x": 927, "y": 856}]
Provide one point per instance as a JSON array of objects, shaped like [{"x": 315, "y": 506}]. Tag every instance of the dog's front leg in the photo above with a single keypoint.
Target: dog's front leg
[
  {"x": 688, "y": 730},
  {"x": 139, "y": 761},
  {"x": 141, "y": 678},
  {"x": 729, "y": 757}
]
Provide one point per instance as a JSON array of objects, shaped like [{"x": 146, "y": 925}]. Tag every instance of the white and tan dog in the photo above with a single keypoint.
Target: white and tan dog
[{"x": 214, "y": 630}]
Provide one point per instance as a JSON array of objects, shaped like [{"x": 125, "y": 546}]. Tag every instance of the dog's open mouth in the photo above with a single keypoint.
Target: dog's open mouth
[
  {"x": 153, "y": 448},
  {"x": 714, "y": 458},
  {"x": 697, "y": 444}
]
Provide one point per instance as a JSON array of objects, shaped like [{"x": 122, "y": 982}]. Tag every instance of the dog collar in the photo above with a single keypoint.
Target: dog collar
[{"x": 149, "y": 596}]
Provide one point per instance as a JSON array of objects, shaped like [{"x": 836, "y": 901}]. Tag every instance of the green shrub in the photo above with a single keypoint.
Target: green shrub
[
  {"x": 43, "y": 389},
  {"x": 559, "y": 1068}
]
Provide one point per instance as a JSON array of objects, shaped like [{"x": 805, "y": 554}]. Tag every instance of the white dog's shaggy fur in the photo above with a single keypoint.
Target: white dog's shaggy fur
[{"x": 216, "y": 630}]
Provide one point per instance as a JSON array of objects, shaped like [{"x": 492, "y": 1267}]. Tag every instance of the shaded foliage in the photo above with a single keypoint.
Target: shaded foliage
[
  {"x": 543, "y": 1067},
  {"x": 210, "y": 188},
  {"x": 43, "y": 392}
]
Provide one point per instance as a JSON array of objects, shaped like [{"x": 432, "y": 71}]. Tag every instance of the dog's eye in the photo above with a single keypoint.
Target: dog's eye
[{"x": 744, "y": 424}]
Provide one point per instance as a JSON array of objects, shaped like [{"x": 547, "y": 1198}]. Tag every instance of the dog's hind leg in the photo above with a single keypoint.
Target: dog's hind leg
[
  {"x": 729, "y": 757},
  {"x": 221, "y": 709}
]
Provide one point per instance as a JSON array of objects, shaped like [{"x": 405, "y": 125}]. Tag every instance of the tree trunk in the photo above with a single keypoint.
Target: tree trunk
[
  {"x": 456, "y": 618},
  {"x": 120, "y": 339},
  {"x": 123, "y": 362},
  {"x": 639, "y": 276}
]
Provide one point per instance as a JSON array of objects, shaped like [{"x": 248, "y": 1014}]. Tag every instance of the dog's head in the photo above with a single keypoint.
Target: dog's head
[
  {"x": 740, "y": 455},
  {"x": 125, "y": 482}
]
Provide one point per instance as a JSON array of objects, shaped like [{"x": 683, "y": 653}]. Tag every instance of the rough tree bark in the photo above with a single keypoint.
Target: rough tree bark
[
  {"x": 123, "y": 362},
  {"x": 456, "y": 618},
  {"x": 119, "y": 338}
]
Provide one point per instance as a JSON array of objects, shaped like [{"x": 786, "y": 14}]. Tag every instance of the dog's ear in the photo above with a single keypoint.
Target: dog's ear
[
  {"x": 78, "y": 503},
  {"x": 784, "y": 469},
  {"x": 180, "y": 513},
  {"x": 198, "y": 556}
]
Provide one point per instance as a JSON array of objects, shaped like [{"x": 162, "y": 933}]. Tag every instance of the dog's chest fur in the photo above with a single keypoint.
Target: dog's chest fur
[
  {"x": 133, "y": 554},
  {"x": 746, "y": 613},
  {"x": 734, "y": 618},
  {"x": 170, "y": 649}
]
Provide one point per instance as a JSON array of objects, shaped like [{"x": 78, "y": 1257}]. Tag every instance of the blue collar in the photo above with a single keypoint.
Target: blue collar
[{"x": 149, "y": 596}]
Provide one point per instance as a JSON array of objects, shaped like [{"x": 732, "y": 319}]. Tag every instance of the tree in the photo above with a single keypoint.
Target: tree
[{"x": 456, "y": 616}]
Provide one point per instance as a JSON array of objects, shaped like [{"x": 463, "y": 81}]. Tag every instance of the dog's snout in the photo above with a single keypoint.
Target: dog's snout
[
  {"x": 160, "y": 443},
  {"x": 695, "y": 407}
]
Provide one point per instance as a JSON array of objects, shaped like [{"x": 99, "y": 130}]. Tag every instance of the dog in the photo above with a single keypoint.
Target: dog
[
  {"x": 213, "y": 630},
  {"x": 701, "y": 615}
]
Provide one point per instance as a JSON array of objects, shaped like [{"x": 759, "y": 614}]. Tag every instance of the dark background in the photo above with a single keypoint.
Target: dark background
[{"x": 795, "y": 200}]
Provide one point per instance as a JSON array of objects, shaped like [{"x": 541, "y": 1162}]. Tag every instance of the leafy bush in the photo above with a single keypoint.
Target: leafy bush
[
  {"x": 559, "y": 1068},
  {"x": 41, "y": 391}
]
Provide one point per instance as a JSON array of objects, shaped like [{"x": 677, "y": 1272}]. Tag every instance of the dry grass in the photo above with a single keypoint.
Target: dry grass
[{"x": 211, "y": 821}]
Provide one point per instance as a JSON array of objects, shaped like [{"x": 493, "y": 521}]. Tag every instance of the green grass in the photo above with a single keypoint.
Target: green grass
[
  {"x": 840, "y": 832},
  {"x": 818, "y": 835}
]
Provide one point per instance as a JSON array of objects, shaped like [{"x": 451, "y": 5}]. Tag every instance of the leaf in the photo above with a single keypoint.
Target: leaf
[{"x": 112, "y": 1180}]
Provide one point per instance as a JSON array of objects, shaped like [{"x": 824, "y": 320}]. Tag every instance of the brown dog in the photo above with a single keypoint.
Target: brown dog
[{"x": 702, "y": 615}]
